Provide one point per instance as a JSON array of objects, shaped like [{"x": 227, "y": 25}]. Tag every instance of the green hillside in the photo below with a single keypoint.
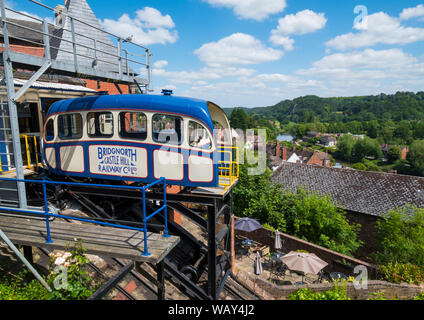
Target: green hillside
[{"x": 307, "y": 109}]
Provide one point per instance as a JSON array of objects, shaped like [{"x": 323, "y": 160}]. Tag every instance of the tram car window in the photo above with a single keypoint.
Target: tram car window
[
  {"x": 100, "y": 124},
  {"x": 198, "y": 136},
  {"x": 133, "y": 125},
  {"x": 49, "y": 133},
  {"x": 167, "y": 129},
  {"x": 70, "y": 126}
]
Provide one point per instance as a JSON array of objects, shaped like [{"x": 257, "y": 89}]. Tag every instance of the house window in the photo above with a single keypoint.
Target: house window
[
  {"x": 70, "y": 126},
  {"x": 133, "y": 125},
  {"x": 49, "y": 133},
  {"x": 100, "y": 124},
  {"x": 198, "y": 136},
  {"x": 167, "y": 129}
]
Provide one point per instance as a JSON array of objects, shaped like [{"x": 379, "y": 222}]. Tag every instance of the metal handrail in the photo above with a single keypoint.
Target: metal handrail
[
  {"x": 48, "y": 215},
  {"x": 87, "y": 24},
  {"x": 119, "y": 56}
]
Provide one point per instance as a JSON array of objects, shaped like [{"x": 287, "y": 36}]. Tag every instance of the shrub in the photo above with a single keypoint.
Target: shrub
[
  {"x": 78, "y": 284},
  {"x": 17, "y": 288},
  {"x": 402, "y": 272},
  {"x": 400, "y": 236},
  {"x": 338, "y": 293},
  {"x": 420, "y": 296}
]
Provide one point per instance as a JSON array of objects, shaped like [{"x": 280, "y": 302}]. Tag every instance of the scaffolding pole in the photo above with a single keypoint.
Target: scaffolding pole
[
  {"x": 24, "y": 260},
  {"x": 13, "y": 112}
]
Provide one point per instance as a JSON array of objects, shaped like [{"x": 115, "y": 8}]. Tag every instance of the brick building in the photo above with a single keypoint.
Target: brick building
[{"x": 279, "y": 154}]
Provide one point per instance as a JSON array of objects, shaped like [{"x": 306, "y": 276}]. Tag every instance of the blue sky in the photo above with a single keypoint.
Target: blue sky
[{"x": 255, "y": 53}]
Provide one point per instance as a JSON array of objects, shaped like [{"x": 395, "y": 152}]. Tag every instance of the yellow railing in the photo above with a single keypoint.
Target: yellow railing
[
  {"x": 31, "y": 153},
  {"x": 30, "y": 139},
  {"x": 228, "y": 168}
]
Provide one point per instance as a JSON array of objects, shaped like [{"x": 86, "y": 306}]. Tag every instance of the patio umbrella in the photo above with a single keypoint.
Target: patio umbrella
[
  {"x": 258, "y": 264},
  {"x": 304, "y": 262},
  {"x": 277, "y": 244},
  {"x": 247, "y": 224}
]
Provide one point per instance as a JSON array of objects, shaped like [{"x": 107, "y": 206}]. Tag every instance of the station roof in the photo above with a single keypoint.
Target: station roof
[{"x": 158, "y": 103}]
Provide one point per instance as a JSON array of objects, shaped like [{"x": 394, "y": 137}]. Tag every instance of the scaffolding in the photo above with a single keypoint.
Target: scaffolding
[{"x": 68, "y": 50}]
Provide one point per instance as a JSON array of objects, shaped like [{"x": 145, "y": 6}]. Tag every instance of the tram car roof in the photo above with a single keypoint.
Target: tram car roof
[{"x": 191, "y": 107}]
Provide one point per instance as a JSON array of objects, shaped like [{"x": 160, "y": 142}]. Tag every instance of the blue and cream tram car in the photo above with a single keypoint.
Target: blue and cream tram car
[{"x": 140, "y": 138}]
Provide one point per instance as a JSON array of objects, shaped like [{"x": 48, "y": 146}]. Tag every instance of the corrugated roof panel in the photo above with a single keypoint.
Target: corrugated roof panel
[{"x": 54, "y": 86}]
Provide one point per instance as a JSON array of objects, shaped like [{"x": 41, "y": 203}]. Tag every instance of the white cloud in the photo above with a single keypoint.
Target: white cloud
[
  {"x": 147, "y": 28},
  {"x": 251, "y": 9},
  {"x": 381, "y": 29},
  {"x": 237, "y": 49},
  {"x": 279, "y": 40},
  {"x": 152, "y": 18},
  {"x": 301, "y": 23},
  {"x": 160, "y": 64},
  {"x": 410, "y": 13},
  {"x": 362, "y": 69}
]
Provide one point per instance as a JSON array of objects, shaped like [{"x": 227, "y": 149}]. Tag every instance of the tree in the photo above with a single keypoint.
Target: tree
[
  {"x": 239, "y": 119},
  {"x": 403, "y": 131},
  {"x": 400, "y": 236},
  {"x": 394, "y": 153},
  {"x": 366, "y": 147},
  {"x": 416, "y": 156},
  {"x": 345, "y": 147},
  {"x": 359, "y": 166},
  {"x": 308, "y": 216},
  {"x": 372, "y": 130}
]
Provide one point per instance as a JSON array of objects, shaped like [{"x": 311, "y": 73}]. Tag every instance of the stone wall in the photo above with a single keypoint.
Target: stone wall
[{"x": 269, "y": 291}]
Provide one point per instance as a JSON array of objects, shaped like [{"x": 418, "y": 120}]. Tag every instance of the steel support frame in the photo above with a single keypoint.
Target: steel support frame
[
  {"x": 219, "y": 267},
  {"x": 13, "y": 112}
]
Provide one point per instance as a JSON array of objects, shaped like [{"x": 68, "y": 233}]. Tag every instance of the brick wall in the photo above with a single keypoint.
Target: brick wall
[
  {"x": 368, "y": 234},
  {"x": 271, "y": 291},
  {"x": 337, "y": 262},
  {"x": 106, "y": 86},
  {"x": 33, "y": 51},
  {"x": 315, "y": 160}
]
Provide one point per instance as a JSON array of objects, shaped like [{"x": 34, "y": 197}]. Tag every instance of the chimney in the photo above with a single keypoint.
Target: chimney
[
  {"x": 284, "y": 154},
  {"x": 278, "y": 150},
  {"x": 58, "y": 16}
]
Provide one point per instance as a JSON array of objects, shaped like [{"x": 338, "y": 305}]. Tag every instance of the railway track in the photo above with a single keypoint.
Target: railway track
[{"x": 232, "y": 290}]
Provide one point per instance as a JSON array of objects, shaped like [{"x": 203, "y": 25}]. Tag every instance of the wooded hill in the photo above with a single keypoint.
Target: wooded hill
[{"x": 307, "y": 109}]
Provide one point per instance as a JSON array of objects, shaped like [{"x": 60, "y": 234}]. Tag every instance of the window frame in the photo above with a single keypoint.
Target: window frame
[
  {"x": 206, "y": 131},
  {"x": 81, "y": 131},
  {"x": 181, "y": 135},
  {"x": 51, "y": 120},
  {"x": 98, "y": 134},
  {"x": 132, "y": 135}
]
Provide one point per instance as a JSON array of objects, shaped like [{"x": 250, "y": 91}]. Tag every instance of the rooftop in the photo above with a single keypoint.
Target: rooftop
[{"x": 372, "y": 193}]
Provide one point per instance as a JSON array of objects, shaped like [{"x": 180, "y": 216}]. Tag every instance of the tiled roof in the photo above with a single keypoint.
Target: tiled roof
[
  {"x": 372, "y": 193},
  {"x": 26, "y": 34},
  {"x": 84, "y": 36}
]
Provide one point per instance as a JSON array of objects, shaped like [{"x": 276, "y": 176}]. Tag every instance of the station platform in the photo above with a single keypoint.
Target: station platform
[{"x": 98, "y": 240}]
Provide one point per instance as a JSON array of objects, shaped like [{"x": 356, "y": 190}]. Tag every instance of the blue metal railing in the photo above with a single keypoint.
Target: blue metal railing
[{"x": 49, "y": 215}]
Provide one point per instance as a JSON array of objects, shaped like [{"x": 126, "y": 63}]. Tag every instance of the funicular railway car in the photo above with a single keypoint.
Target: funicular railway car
[{"x": 140, "y": 138}]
